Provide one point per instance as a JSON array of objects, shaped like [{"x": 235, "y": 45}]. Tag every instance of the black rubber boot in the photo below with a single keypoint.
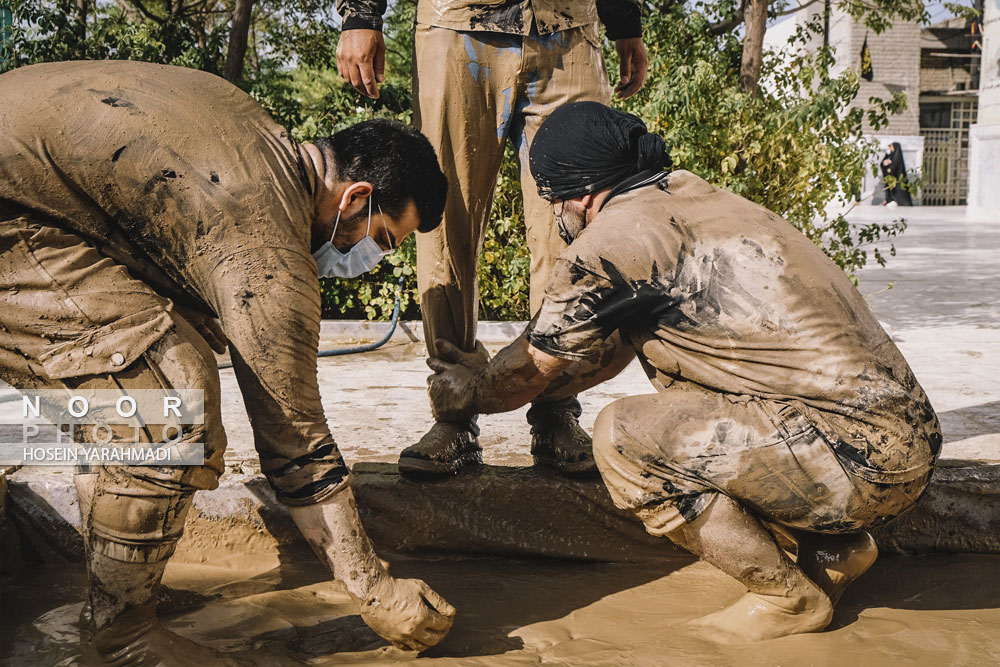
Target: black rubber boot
[
  {"x": 557, "y": 439},
  {"x": 443, "y": 450}
]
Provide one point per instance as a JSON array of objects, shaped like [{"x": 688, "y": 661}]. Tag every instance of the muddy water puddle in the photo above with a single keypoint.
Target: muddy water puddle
[{"x": 923, "y": 610}]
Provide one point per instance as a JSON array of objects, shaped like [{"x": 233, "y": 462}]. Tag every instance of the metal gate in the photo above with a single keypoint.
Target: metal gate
[
  {"x": 946, "y": 168},
  {"x": 945, "y": 177}
]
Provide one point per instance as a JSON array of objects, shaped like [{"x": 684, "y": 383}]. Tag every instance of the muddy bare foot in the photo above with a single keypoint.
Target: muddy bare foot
[
  {"x": 834, "y": 561},
  {"x": 754, "y": 617}
]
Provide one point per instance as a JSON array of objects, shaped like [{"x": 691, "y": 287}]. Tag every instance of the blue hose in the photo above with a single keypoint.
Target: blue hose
[{"x": 393, "y": 321}]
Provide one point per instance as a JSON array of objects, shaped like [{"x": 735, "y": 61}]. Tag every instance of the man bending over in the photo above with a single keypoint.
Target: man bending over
[
  {"x": 782, "y": 407},
  {"x": 138, "y": 203}
]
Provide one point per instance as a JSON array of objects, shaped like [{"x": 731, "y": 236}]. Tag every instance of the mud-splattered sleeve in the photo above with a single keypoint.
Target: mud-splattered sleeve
[
  {"x": 365, "y": 14},
  {"x": 269, "y": 303},
  {"x": 587, "y": 300},
  {"x": 621, "y": 18}
]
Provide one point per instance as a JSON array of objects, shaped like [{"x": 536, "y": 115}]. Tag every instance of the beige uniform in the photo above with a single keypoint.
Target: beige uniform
[
  {"x": 776, "y": 385},
  {"x": 473, "y": 92},
  {"x": 127, "y": 188},
  {"x": 485, "y": 73}
]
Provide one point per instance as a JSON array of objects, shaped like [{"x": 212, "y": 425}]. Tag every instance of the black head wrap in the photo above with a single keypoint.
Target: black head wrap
[{"x": 583, "y": 147}]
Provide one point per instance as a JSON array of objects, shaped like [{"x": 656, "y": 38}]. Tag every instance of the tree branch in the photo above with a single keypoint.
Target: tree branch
[
  {"x": 737, "y": 19},
  {"x": 797, "y": 8},
  {"x": 730, "y": 24},
  {"x": 137, "y": 4},
  {"x": 726, "y": 26},
  {"x": 192, "y": 9}
]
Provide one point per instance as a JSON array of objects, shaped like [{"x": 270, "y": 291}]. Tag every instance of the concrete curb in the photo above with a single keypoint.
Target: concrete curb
[{"x": 491, "y": 510}]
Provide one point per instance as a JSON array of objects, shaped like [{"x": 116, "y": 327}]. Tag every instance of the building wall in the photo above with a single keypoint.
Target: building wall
[
  {"x": 989, "y": 82},
  {"x": 896, "y": 65},
  {"x": 895, "y": 61},
  {"x": 945, "y": 65},
  {"x": 943, "y": 74},
  {"x": 984, "y": 145}
]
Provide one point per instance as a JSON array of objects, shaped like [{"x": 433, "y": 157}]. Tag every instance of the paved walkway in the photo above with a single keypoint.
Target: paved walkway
[{"x": 943, "y": 310}]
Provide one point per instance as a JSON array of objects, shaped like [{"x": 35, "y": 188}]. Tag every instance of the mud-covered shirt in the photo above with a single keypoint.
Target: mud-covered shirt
[
  {"x": 711, "y": 288},
  {"x": 620, "y": 17},
  {"x": 183, "y": 179}
]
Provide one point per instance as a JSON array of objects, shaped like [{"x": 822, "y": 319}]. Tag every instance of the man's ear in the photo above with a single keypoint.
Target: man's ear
[
  {"x": 355, "y": 191},
  {"x": 586, "y": 200}
]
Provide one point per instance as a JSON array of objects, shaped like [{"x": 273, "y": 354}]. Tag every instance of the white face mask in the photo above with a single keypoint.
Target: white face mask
[{"x": 361, "y": 258}]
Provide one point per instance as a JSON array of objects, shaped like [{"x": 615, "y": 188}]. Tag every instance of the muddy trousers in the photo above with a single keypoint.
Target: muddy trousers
[
  {"x": 135, "y": 516},
  {"x": 473, "y": 92},
  {"x": 72, "y": 319},
  {"x": 667, "y": 456}
]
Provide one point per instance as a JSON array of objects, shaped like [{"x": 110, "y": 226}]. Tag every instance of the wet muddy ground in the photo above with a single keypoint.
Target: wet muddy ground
[{"x": 921, "y": 610}]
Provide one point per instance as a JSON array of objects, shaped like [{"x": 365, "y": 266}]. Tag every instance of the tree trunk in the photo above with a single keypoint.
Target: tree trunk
[
  {"x": 753, "y": 44},
  {"x": 238, "y": 39},
  {"x": 81, "y": 27}
]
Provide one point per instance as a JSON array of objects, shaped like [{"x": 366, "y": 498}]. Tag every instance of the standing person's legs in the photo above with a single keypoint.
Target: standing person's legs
[
  {"x": 464, "y": 85},
  {"x": 559, "y": 68},
  {"x": 72, "y": 319},
  {"x": 716, "y": 474}
]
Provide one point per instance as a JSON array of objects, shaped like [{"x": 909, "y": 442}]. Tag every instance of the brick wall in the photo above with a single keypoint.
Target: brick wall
[
  {"x": 943, "y": 74},
  {"x": 895, "y": 63},
  {"x": 896, "y": 66}
]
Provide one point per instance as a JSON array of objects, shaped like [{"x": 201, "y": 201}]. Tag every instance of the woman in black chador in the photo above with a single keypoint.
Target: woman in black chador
[{"x": 893, "y": 165}]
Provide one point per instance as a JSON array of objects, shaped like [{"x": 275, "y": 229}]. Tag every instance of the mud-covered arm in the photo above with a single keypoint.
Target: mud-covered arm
[
  {"x": 621, "y": 18},
  {"x": 269, "y": 304},
  {"x": 611, "y": 359},
  {"x": 361, "y": 14},
  {"x": 570, "y": 345},
  {"x": 469, "y": 383}
]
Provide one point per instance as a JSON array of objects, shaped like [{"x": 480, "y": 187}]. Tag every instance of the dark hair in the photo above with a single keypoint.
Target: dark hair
[{"x": 398, "y": 161}]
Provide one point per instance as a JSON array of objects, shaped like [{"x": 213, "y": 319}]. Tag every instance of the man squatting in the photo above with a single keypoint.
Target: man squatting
[
  {"x": 486, "y": 72},
  {"x": 140, "y": 202},
  {"x": 783, "y": 410}
]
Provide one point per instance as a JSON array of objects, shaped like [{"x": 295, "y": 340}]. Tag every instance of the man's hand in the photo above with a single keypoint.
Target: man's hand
[
  {"x": 633, "y": 66},
  {"x": 450, "y": 387},
  {"x": 407, "y": 613},
  {"x": 361, "y": 59}
]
